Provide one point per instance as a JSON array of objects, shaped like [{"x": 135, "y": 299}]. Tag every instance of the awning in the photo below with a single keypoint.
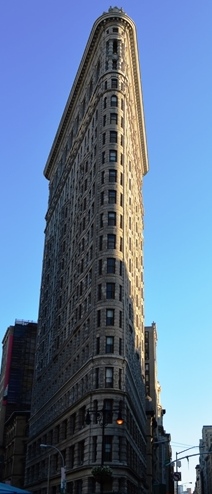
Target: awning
[{"x": 11, "y": 489}]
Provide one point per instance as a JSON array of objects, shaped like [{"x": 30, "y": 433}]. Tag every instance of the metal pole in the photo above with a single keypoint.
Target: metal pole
[{"x": 176, "y": 471}]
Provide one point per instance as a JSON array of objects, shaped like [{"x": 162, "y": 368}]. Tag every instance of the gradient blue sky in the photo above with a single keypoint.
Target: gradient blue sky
[{"x": 41, "y": 44}]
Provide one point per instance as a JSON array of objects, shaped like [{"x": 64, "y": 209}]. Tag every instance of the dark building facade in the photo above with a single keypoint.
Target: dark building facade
[
  {"x": 90, "y": 346},
  {"x": 16, "y": 379}
]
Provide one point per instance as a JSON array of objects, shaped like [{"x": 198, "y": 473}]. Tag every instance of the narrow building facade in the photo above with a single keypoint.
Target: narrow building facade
[{"x": 90, "y": 346}]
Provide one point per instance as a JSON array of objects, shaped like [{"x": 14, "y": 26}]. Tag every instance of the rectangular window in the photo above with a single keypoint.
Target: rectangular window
[
  {"x": 110, "y": 290},
  {"x": 114, "y": 100},
  {"x": 110, "y": 317},
  {"x": 97, "y": 377},
  {"x": 111, "y": 218},
  {"x": 98, "y": 318},
  {"x": 121, "y": 244},
  {"x": 102, "y": 198},
  {"x": 104, "y": 120},
  {"x": 112, "y": 156},
  {"x": 97, "y": 345},
  {"x": 100, "y": 242},
  {"x": 101, "y": 220},
  {"x": 113, "y": 118},
  {"x": 103, "y": 157},
  {"x": 109, "y": 344},
  {"x": 111, "y": 241},
  {"x": 109, "y": 377},
  {"x": 113, "y": 176},
  {"x": 81, "y": 452},
  {"x": 121, "y": 200},
  {"x": 111, "y": 265},
  {"x": 113, "y": 136},
  {"x": 120, "y": 319},
  {"x": 108, "y": 411},
  {"x": 121, "y": 268},
  {"x": 120, "y": 346},
  {"x": 114, "y": 64},
  {"x": 112, "y": 196},
  {"x": 120, "y": 293},
  {"x": 114, "y": 83},
  {"x": 103, "y": 138},
  {"x": 107, "y": 454}
]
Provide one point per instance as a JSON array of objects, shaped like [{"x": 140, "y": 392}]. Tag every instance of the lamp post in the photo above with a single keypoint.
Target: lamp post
[
  {"x": 102, "y": 417},
  {"x": 63, "y": 469}
]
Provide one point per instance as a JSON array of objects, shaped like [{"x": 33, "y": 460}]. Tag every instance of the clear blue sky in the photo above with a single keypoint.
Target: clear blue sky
[{"x": 41, "y": 46}]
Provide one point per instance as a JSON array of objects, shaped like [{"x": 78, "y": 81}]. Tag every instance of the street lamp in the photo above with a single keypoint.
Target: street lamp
[
  {"x": 63, "y": 469},
  {"x": 102, "y": 417}
]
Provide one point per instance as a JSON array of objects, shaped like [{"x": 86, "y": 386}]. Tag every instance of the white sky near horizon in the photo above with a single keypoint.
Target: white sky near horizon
[{"x": 41, "y": 45}]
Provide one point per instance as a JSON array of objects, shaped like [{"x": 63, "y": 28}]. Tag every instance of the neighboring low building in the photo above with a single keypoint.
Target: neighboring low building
[{"x": 16, "y": 379}]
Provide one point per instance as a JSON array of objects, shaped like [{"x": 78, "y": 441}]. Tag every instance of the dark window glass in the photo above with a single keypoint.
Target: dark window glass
[
  {"x": 115, "y": 46},
  {"x": 111, "y": 218},
  {"x": 113, "y": 118},
  {"x": 111, "y": 241},
  {"x": 110, "y": 290},
  {"x": 113, "y": 176},
  {"x": 114, "y": 101},
  {"x": 97, "y": 345},
  {"x": 112, "y": 196},
  {"x": 111, "y": 265},
  {"x": 110, "y": 317},
  {"x": 120, "y": 293},
  {"x": 107, "y": 453},
  {"x": 113, "y": 136},
  {"x": 109, "y": 344},
  {"x": 114, "y": 83},
  {"x": 98, "y": 318},
  {"x": 109, "y": 377},
  {"x": 101, "y": 220}
]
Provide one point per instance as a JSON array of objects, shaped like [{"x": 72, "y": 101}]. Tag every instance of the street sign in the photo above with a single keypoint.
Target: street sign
[{"x": 176, "y": 476}]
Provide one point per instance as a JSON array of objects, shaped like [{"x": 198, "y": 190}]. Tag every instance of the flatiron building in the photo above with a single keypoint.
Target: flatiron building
[{"x": 90, "y": 345}]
